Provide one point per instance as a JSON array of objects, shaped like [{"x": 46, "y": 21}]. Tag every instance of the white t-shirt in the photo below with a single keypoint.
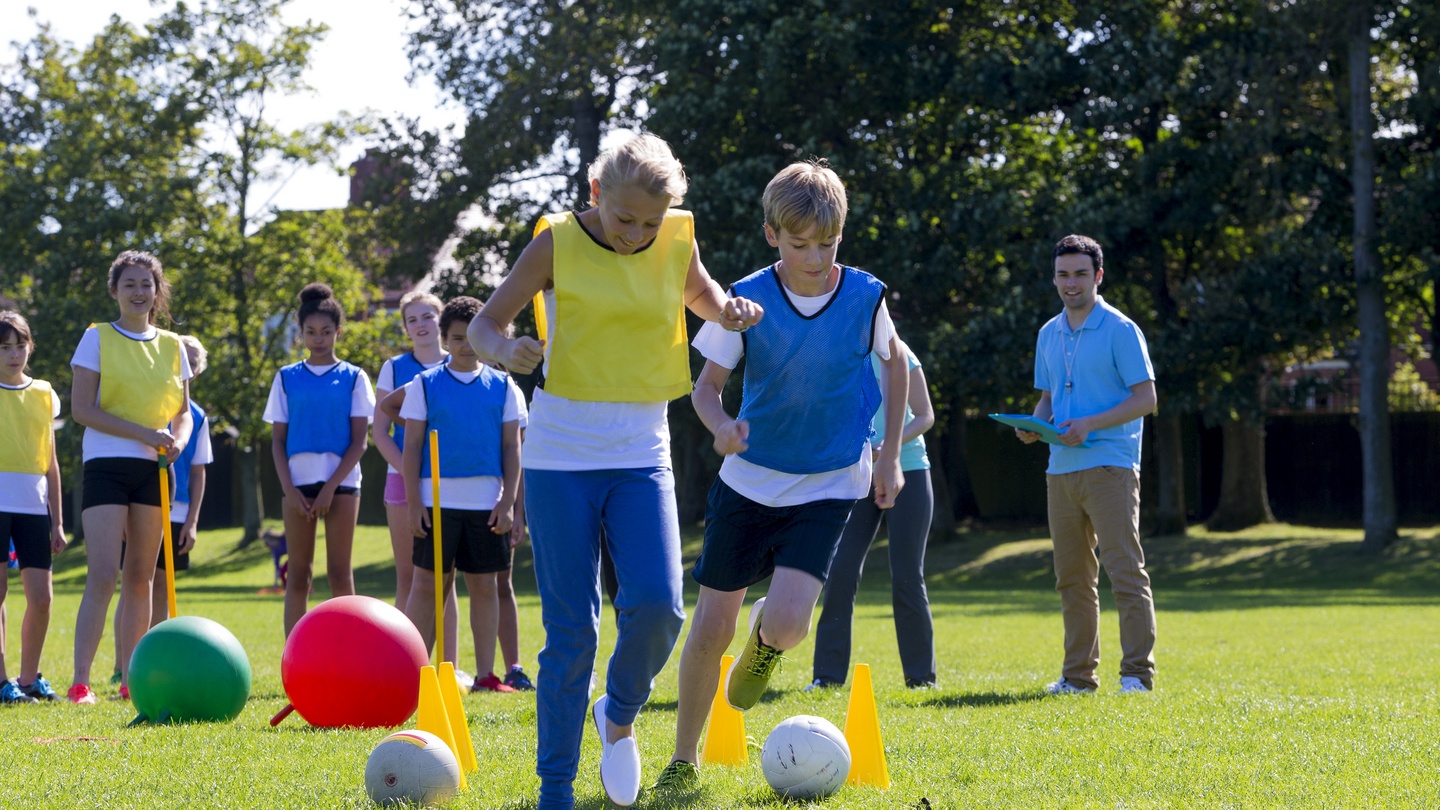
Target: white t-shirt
[
  {"x": 26, "y": 493},
  {"x": 204, "y": 454},
  {"x": 572, "y": 434},
  {"x": 385, "y": 383},
  {"x": 769, "y": 487},
  {"x": 478, "y": 492},
  {"x": 98, "y": 444},
  {"x": 316, "y": 468}
]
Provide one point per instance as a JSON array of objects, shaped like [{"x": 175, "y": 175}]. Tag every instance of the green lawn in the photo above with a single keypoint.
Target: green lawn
[{"x": 1293, "y": 673}]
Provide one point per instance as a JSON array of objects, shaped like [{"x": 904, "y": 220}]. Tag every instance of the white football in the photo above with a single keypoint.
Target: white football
[
  {"x": 806, "y": 757},
  {"x": 415, "y": 767}
]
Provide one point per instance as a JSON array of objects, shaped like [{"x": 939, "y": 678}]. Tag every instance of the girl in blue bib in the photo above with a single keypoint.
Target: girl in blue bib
[{"x": 320, "y": 409}]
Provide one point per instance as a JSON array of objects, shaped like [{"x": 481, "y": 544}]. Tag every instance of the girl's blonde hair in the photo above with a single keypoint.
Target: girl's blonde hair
[
  {"x": 199, "y": 358},
  {"x": 644, "y": 162},
  {"x": 420, "y": 297}
]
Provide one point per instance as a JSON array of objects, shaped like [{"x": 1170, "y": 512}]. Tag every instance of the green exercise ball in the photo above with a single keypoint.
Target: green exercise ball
[{"x": 189, "y": 669}]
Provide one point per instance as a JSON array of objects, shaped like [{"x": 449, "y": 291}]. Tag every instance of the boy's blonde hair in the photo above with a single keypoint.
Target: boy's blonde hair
[
  {"x": 195, "y": 350},
  {"x": 805, "y": 194},
  {"x": 644, "y": 162},
  {"x": 422, "y": 297}
]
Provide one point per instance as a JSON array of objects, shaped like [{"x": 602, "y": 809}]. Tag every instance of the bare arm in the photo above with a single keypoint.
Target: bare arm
[
  {"x": 192, "y": 519},
  {"x": 390, "y": 405},
  {"x": 278, "y": 432},
  {"x": 887, "y": 476},
  {"x": 502, "y": 516},
  {"x": 52, "y": 500},
  {"x": 730, "y": 435},
  {"x": 415, "y": 437},
  {"x": 380, "y": 431},
  {"x": 533, "y": 272},
  {"x": 1140, "y": 402},
  {"x": 919, "y": 402},
  {"x": 181, "y": 426},
  {"x": 705, "y": 297}
]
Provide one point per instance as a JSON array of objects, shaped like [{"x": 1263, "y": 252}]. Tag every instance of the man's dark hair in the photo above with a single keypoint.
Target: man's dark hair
[{"x": 1075, "y": 243}]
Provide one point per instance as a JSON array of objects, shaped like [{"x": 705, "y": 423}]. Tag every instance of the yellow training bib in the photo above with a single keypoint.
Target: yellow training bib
[
  {"x": 619, "y": 333},
  {"x": 140, "y": 379},
  {"x": 25, "y": 434}
]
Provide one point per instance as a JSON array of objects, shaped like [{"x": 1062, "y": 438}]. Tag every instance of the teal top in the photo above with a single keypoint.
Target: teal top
[{"x": 912, "y": 453}]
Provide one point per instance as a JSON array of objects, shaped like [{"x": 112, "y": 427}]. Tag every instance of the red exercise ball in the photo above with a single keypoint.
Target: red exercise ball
[{"x": 354, "y": 661}]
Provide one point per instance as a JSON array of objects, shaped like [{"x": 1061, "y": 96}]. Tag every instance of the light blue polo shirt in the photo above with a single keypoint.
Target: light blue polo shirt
[{"x": 1100, "y": 360}]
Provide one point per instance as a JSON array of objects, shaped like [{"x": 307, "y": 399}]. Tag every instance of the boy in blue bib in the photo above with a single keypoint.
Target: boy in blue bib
[
  {"x": 798, "y": 455},
  {"x": 476, "y": 412}
]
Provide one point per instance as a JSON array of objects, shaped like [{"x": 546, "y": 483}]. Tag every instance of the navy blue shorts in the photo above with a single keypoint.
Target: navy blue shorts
[
  {"x": 312, "y": 491},
  {"x": 31, "y": 536},
  {"x": 467, "y": 543},
  {"x": 745, "y": 541}
]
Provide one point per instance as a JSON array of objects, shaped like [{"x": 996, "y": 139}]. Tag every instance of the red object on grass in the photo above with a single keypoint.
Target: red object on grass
[{"x": 353, "y": 661}]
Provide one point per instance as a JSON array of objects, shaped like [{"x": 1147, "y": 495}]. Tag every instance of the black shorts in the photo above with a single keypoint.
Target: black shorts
[
  {"x": 467, "y": 544},
  {"x": 31, "y": 535},
  {"x": 121, "y": 482},
  {"x": 182, "y": 561},
  {"x": 312, "y": 491},
  {"x": 745, "y": 541}
]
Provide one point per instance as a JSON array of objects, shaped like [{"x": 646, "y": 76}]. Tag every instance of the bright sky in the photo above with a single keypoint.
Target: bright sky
[{"x": 359, "y": 65}]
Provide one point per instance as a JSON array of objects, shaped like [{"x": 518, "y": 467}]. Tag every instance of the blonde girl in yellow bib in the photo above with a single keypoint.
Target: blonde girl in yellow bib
[
  {"x": 615, "y": 280},
  {"x": 29, "y": 501},
  {"x": 132, "y": 395}
]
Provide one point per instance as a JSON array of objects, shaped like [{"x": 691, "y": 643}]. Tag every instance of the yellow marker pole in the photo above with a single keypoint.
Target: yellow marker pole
[
  {"x": 169, "y": 542},
  {"x": 540, "y": 323},
  {"x": 435, "y": 534}
]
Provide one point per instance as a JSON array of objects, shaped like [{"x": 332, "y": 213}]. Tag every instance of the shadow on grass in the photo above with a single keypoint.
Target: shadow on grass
[{"x": 979, "y": 700}]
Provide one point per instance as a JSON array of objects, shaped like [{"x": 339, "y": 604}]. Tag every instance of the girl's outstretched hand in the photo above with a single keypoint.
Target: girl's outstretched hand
[{"x": 740, "y": 314}]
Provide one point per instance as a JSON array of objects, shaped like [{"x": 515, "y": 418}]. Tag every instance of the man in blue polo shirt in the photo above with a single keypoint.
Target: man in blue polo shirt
[{"x": 1096, "y": 383}]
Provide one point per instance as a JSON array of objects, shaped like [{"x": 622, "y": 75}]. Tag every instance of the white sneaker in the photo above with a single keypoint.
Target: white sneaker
[
  {"x": 1064, "y": 687},
  {"x": 465, "y": 679},
  {"x": 619, "y": 761},
  {"x": 1131, "y": 684},
  {"x": 820, "y": 684}
]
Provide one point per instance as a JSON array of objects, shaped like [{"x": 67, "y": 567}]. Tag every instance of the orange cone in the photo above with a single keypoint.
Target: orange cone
[
  {"x": 862, "y": 733},
  {"x": 432, "y": 716},
  {"x": 725, "y": 733},
  {"x": 455, "y": 713}
]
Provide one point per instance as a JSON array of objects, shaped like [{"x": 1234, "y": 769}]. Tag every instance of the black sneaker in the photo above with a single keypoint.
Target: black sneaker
[
  {"x": 919, "y": 683},
  {"x": 518, "y": 680},
  {"x": 820, "y": 684},
  {"x": 12, "y": 695},
  {"x": 39, "y": 690}
]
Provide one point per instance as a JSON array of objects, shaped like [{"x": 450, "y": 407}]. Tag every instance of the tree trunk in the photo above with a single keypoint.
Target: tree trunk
[
  {"x": 1244, "y": 498},
  {"x": 1378, "y": 485},
  {"x": 252, "y": 505},
  {"x": 1170, "y": 474},
  {"x": 588, "y": 117}
]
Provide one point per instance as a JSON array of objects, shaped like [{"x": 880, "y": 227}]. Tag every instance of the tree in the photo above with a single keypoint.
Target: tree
[
  {"x": 235, "y": 57},
  {"x": 1374, "y": 359}
]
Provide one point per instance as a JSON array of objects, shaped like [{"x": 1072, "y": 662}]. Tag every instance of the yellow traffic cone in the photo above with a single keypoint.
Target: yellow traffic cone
[
  {"x": 725, "y": 733},
  {"x": 862, "y": 733},
  {"x": 432, "y": 716},
  {"x": 455, "y": 712}
]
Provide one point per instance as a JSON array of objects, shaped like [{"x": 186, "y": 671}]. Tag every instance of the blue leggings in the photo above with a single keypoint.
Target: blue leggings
[{"x": 567, "y": 511}]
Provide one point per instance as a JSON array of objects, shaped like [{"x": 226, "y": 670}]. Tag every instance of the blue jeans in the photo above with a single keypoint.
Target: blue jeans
[{"x": 567, "y": 511}]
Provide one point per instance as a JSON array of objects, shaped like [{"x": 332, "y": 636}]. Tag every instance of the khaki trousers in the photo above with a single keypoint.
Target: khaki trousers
[{"x": 1098, "y": 510}]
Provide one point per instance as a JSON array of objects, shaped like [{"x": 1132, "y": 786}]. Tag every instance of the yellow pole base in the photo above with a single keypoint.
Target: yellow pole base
[
  {"x": 455, "y": 712},
  {"x": 433, "y": 717}
]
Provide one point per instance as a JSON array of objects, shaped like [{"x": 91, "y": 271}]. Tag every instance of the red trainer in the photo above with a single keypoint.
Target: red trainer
[
  {"x": 80, "y": 693},
  {"x": 490, "y": 683},
  {"x": 124, "y": 693}
]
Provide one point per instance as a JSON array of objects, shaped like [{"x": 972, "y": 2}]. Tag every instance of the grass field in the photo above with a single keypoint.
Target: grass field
[{"x": 1292, "y": 673}]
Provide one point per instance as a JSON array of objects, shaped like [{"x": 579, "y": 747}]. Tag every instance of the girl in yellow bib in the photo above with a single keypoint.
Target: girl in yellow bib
[
  {"x": 29, "y": 501},
  {"x": 615, "y": 280},
  {"x": 132, "y": 395}
]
